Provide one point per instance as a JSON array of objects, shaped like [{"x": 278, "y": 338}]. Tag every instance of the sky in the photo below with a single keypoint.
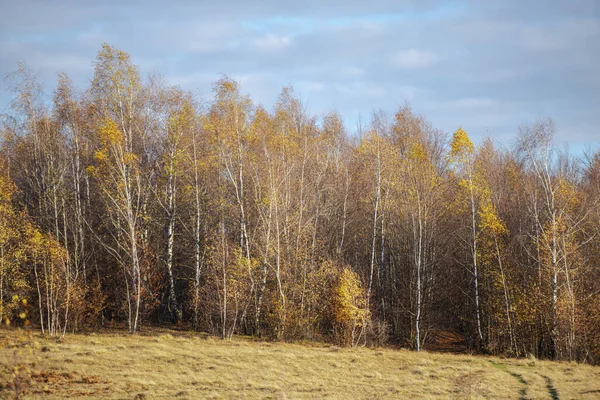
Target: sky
[{"x": 488, "y": 66}]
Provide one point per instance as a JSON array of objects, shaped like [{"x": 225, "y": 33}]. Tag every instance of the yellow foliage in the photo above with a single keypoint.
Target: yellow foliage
[
  {"x": 349, "y": 298},
  {"x": 489, "y": 221},
  {"x": 130, "y": 158},
  {"x": 349, "y": 306},
  {"x": 110, "y": 133},
  {"x": 417, "y": 152},
  {"x": 99, "y": 156},
  {"x": 461, "y": 147},
  {"x": 568, "y": 193}
]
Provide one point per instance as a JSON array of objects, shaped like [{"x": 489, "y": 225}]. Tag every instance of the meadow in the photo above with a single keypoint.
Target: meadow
[{"x": 167, "y": 364}]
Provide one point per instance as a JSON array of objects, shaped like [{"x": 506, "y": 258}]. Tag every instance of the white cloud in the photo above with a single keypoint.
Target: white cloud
[
  {"x": 561, "y": 36},
  {"x": 272, "y": 42},
  {"x": 415, "y": 59},
  {"x": 471, "y": 103},
  {"x": 194, "y": 79},
  {"x": 308, "y": 87},
  {"x": 494, "y": 53},
  {"x": 352, "y": 72}
]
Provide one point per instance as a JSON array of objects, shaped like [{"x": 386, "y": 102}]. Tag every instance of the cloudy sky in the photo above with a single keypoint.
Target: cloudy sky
[{"x": 486, "y": 65}]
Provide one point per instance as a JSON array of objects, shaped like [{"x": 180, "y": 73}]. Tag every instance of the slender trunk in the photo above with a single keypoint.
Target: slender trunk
[
  {"x": 135, "y": 265},
  {"x": 382, "y": 267},
  {"x": 243, "y": 222},
  {"x": 278, "y": 270},
  {"x": 80, "y": 241},
  {"x": 68, "y": 299},
  {"x": 197, "y": 268},
  {"x": 513, "y": 341},
  {"x": 172, "y": 301},
  {"x": 554, "y": 287},
  {"x": 47, "y": 287},
  {"x": 264, "y": 271},
  {"x": 137, "y": 279},
  {"x": 132, "y": 229},
  {"x": 37, "y": 284},
  {"x": 344, "y": 216},
  {"x": 374, "y": 231},
  {"x": 224, "y": 272},
  {"x": 197, "y": 228},
  {"x": 129, "y": 305},
  {"x": 317, "y": 211},
  {"x": 475, "y": 266},
  {"x": 571, "y": 308},
  {"x": 301, "y": 199},
  {"x": 418, "y": 265}
]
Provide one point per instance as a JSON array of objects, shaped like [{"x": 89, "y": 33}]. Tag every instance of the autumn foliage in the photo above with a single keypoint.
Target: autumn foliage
[{"x": 131, "y": 203}]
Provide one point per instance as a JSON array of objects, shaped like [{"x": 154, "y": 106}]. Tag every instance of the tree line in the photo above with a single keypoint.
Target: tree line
[{"x": 131, "y": 203}]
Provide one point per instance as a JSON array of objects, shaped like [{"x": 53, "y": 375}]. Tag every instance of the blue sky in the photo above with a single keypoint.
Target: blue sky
[{"x": 486, "y": 65}]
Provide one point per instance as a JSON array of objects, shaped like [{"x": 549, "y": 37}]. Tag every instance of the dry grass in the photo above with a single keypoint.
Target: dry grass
[{"x": 167, "y": 364}]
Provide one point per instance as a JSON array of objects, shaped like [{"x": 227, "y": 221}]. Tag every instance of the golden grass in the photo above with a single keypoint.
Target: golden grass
[{"x": 169, "y": 364}]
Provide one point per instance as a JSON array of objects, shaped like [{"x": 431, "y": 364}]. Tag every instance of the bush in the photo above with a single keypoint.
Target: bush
[{"x": 349, "y": 308}]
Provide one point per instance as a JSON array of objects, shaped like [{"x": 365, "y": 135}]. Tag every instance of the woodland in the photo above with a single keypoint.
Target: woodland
[{"x": 133, "y": 204}]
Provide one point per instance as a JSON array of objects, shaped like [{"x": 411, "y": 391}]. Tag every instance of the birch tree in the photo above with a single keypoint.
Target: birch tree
[
  {"x": 462, "y": 154},
  {"x": 116, "y": 87}
]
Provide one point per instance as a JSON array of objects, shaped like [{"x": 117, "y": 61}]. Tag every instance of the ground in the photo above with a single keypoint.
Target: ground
[{"x": 170, "y": 364}]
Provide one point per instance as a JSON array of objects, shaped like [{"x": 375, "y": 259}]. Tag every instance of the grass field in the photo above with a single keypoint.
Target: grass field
[{"x": 175, "y": 365}]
